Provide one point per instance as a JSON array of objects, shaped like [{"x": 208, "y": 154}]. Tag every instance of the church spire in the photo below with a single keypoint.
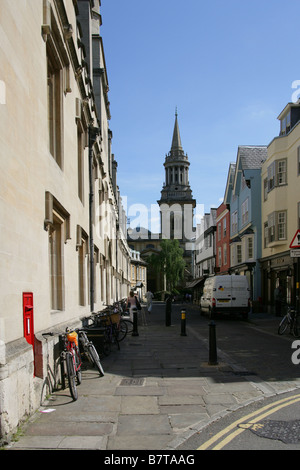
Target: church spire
[
  {"x": 176, "y": 141},
  {"x": 176, "y": 202},
  {"x": 176, "y": 186}
]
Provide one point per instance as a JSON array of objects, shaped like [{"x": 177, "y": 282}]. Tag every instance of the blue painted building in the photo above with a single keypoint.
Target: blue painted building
[{"x": 243, "y": 197}]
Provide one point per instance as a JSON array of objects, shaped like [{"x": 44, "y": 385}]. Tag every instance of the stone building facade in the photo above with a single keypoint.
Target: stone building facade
[
  {"x": 281, "y": 210},
  {"x": 64, "y": 251}
]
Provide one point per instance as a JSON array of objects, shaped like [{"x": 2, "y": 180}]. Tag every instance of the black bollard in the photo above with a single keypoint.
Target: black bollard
[
  {"x": 168, "y": 311},
  {"x": 213, "y": 360},
  {"x": 135, "y": 323},
  {"x": 183, "y": 333}
]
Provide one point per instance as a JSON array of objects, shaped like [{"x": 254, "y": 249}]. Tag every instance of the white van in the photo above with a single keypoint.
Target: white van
[{"x": 226, "y": 294}]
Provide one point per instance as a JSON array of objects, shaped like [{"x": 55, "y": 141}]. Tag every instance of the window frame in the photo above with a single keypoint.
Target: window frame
[
  {"x": 234, "y": 219},
  {"x": 282, "y": 173},
  {"x": 57, "y": 223},
  {"x": 276, "y": 229},
  {"x": 245, "y": 212},
  {"x": 271, "y": 176}
]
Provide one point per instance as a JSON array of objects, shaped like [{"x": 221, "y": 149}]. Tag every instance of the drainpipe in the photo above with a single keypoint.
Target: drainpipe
[
  {"x": 117, "y": 266},
  {"x": 93, "y": 132}
]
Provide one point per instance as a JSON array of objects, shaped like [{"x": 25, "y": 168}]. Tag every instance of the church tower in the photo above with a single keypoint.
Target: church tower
[{"x": 176, "y": 203}]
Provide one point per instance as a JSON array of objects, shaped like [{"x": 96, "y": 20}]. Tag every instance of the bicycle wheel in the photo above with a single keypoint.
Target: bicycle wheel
[
  {"x": 63, "y": 371},
  {"x": 78, "y": 366},
  {"x": 122, "y": 330},
  {"x": 106, "y": 345},
  {"x": 283, "y": 325},
  {"x": 95, "y": 358},
  {"x": 129, "y": 325},
  {"x": 114, "y": 335},
  {"x": 71, "y": 376}
]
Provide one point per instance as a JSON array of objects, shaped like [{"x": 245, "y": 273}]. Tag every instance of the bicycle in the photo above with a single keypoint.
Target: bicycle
[
  {"x": 291, "y": 320},
  {"x": 70, "y": 362},
  {"x": 89, "y": 350},
  {"x": 125, "y": 324},
  {"x": 109, "y": 320}
]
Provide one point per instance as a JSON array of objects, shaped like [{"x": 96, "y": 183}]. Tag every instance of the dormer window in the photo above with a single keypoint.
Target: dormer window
[
  {"x": 289, "y": 118},
  {"x": 285, "y": 124}
]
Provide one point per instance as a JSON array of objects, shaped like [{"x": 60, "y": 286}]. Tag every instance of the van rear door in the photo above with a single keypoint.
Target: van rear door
[
  {"x": 222, "y": 292},
  {"x": 240, "y": 291}
]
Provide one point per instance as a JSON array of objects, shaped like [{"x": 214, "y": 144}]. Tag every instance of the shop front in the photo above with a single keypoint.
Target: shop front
[{"x": 278, "y": 270}]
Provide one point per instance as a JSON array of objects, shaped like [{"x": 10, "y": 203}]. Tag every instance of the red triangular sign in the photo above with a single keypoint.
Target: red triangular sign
[{"x": 296, "y": 240}]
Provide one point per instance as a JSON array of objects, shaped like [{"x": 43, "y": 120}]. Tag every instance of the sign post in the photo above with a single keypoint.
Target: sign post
[{"x": 295, "y": 253}]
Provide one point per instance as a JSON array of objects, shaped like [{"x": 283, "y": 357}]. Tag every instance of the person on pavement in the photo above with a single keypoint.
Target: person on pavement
[
  {"x": 278, "y": 300},
  {"x": 131, "y": 303},
  {"x": 149, "y": 297}
]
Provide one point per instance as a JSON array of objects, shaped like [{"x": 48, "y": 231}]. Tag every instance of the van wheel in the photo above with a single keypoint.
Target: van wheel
[{"x": 245, "y": 316}]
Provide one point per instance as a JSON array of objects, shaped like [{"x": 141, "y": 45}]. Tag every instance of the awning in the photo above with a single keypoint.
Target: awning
[
  {"x": 194, "y": 283},
  {"x": 139, "y": 284}
]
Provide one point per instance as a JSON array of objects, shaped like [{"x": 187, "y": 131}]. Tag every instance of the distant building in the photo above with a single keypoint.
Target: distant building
[
  {"x": 205, "y": 253},
  {"x": 222, "y": 239},
  {"x": 147, "y": 243},
  {"x": 138, "y": 274},
  {"x": 176, "y": 203},
  {"x": 176, "y": 211},
  {"x": 206, "y": 245}
]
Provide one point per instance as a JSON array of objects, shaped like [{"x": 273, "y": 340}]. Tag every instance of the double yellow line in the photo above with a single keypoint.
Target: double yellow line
[{"x": 232, "y": 434}]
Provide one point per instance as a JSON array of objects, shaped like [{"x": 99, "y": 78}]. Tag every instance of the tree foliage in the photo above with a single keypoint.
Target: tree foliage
[{"x": 170, "y": 262}]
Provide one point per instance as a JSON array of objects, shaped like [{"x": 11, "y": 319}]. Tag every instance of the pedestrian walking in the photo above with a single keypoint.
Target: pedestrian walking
[
  {"x": 132, "y": 304},
  {"x": 278, "y": 296},
  {"x": 149, "y": 297}
]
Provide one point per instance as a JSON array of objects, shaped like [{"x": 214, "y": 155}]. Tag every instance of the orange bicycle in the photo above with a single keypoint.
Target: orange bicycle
[{"x": 70, "y": 362}]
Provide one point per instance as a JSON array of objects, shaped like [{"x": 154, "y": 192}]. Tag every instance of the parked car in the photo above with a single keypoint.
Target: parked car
[{"x": 228, "y": 294}]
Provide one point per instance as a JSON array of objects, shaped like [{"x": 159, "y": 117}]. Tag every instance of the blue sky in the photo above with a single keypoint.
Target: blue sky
[{"x": 228, "y": 66}]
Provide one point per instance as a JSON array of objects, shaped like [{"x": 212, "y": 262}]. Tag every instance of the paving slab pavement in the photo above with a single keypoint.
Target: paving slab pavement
[{"x": 157, "y": 391}]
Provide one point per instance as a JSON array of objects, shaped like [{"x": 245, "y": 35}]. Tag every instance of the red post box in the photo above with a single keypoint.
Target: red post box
[{"x": 28, "y": 317}]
